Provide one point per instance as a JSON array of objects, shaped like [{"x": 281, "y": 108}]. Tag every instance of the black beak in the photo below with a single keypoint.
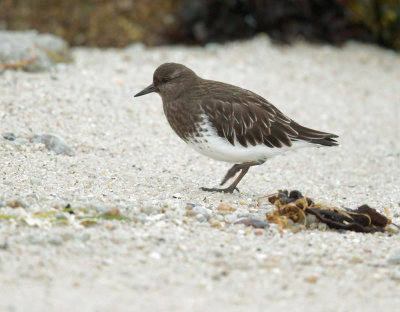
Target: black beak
[{"x": 149, "y": 89}]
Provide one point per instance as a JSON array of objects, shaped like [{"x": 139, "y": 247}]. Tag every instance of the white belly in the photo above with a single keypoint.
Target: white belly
[{"x": 218, "y": 148}]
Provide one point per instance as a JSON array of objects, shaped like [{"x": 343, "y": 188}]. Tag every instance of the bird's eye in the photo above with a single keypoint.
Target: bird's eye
[{"x": 165, "y": 79}]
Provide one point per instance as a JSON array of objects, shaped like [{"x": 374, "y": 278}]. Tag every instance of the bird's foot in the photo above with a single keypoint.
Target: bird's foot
[{"x": 229, "y": 189}]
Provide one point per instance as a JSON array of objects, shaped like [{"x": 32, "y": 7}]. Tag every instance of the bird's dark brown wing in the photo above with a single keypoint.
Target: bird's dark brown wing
[{"x": 242, "y": 116}]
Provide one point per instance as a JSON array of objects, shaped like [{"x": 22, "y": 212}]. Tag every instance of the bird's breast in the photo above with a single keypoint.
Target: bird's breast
[{"x": 183, "y": 119}]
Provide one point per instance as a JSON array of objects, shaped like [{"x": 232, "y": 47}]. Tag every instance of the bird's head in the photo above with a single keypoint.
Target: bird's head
[{"x": 169, "y": 78}]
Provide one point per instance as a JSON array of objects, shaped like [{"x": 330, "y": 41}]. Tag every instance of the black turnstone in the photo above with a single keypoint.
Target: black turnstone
[{"x": 227, "y": 123}]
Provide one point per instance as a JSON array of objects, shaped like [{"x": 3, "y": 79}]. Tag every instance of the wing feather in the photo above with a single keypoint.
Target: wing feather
[{"x": 246, "y": 118}]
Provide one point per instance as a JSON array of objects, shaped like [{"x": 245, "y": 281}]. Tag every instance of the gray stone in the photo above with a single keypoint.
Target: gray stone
[
  {"x": 394, "y": 257},
  {"x": 9, "y": 136},
  {"x": 3, "y": 243},
  {"x": 230, "y": 218},
  {"x": 311, "y": 219},
  {"x": 84, "y": 237},
  {"x": 56, "y": 240},
  {"x": 322, "y": 226},
  {"x": 21, "y": 141},
  {"x": 201, "y": 218},
  {"x": 54, "y": 143},
  {"x": 35, "y": 181},
  {"x": 201, "y": 210},
  {"x": 100, "y": 208},
  {"x": 34, "y": 239},
  {"x": 32, "y": 51}
]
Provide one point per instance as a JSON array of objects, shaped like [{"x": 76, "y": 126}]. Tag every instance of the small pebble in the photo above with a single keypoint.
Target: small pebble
[
  {"x": 56, "y": 240},
  {"x": 259, "y": 232},
  {"x": 313, "y": 226},
  {"x": 35, "y": 181},
  {"x": 311, "y": 279},
  {"x": 200, "y": 217},
  {"x": 34, "y": 239},
  {"x": 391, "y": 228},
  {"x": 258, "y": 224},
  {"x": 230, "y": 218},
  {"x": 54, "y": 143},
  {"x": 155, "y": 255},
  {"x": 150, "y": 209},
  {"x": 395, "y": 276},
  {"x": 9, "y": 136},
  {"x": 21, "y": 141},
  {"x": 297, "y": 228},
  {"x": 111, "y": 227},
  {"x": 394, "y": 257},
  {"x": 311, "y": 219},
  {"x": 215, "y": 223},
  {"x": 84, "y": 237},
  {"x": 306, "y": 260},
  {"x": 16, "y": 203},
  {"x": 112, "y": 212},
  {"x": 87, "y": 223},
  {"x": 190, "y": 213},
  {"x": 3, "y": 243},
  {"x": 203, "y": 211},
  {"x": 356, "y": 259},
  {"x": 219, "y": 217},
  {"x": 225, "y": 207},
  {"x": 170, "y": 214}
]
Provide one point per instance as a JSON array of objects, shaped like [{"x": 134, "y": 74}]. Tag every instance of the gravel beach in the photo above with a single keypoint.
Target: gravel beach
[{"x": 120, "y": 223}]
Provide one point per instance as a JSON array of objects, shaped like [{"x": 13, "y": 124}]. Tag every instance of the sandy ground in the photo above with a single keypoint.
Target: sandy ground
[{"x": 168, "y": 257}]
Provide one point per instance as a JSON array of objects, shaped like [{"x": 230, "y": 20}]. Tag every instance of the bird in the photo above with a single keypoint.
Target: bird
[{"x": 228, "y": 123}]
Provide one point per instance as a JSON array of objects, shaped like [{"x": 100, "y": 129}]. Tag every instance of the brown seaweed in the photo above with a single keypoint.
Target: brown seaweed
[{"x": 294, "y": 206}]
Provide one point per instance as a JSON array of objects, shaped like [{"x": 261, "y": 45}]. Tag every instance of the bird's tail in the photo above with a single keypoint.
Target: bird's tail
[{"x": 314, "y": 136}]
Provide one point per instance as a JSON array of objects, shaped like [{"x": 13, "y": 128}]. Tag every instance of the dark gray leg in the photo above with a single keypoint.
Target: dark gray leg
[{"x": 231, "y": 172}]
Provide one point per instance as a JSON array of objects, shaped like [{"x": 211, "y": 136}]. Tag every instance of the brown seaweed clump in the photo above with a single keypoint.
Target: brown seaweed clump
[{"x": 295, "y": 207}]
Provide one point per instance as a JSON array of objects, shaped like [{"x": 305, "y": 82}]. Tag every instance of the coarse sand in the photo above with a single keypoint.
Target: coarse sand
[{"x": 177, "y": 251}]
